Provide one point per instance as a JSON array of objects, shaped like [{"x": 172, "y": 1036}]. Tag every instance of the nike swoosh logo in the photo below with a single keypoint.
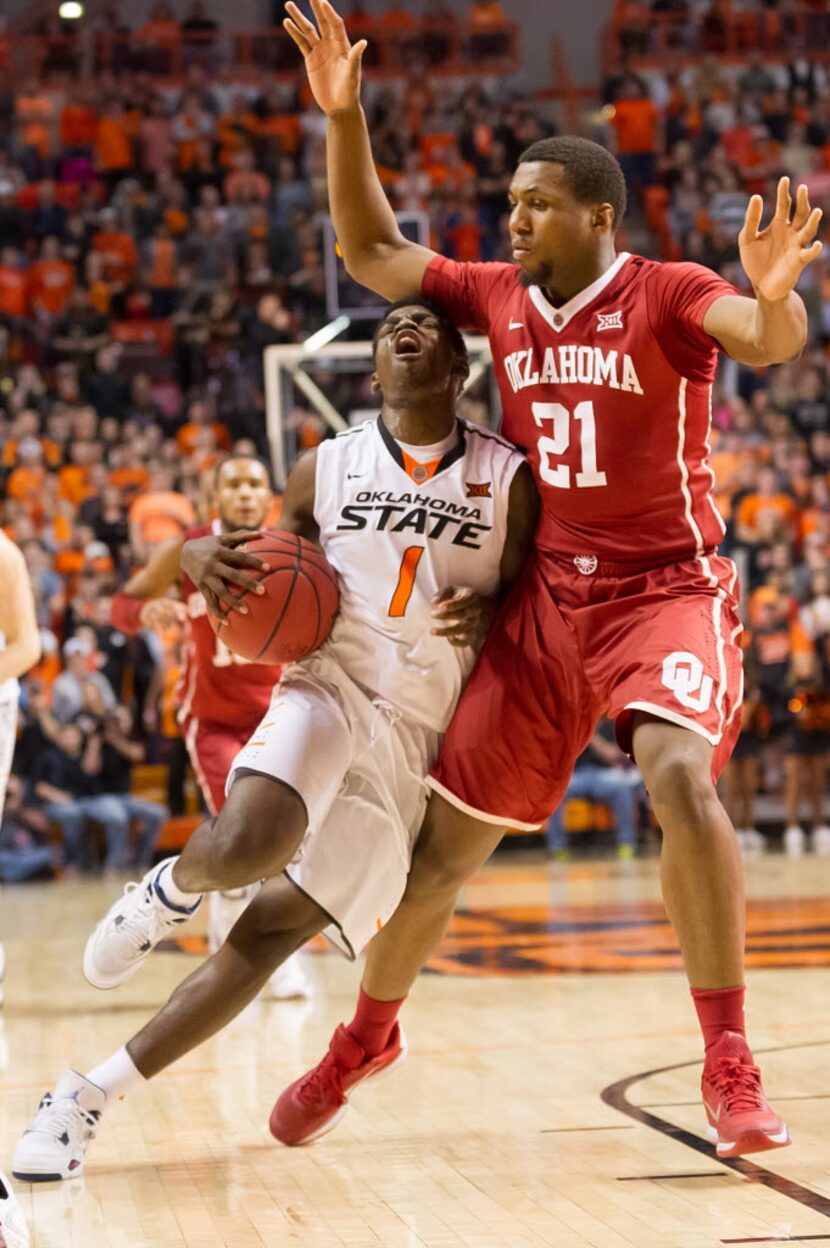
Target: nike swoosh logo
[
  {"x": 352, "y": 476},
  {"x": 717, "y": 1115},
  {"x": 516, "y": 325}
]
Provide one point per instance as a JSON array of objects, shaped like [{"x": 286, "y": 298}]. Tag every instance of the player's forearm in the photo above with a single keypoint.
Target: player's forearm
[
  {"x": 780, "y": 328},
  {"x": 19, "y": 656},
  {"x": 364, "y": 222}
]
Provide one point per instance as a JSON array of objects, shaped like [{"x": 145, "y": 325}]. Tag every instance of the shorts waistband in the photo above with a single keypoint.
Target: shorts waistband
[{"x": 592, "y": 565}]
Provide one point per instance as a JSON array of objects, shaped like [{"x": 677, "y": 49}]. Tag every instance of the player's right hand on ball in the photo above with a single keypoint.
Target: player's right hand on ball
[
  {"x": 214, "y": 563},
  {"x": 332, "y": 64}
]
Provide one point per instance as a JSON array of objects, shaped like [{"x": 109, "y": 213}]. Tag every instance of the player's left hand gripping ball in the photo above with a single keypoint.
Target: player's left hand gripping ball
[{"x": 272, "y": 597}]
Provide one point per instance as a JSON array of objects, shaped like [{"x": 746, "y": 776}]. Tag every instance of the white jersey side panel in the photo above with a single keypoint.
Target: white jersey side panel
[
  {"x": 395, "y": 544},
  {"x": 9, "y": 689}
]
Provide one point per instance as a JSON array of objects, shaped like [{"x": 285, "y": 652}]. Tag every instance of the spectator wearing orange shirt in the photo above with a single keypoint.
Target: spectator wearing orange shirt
[
  {"x": 74, "y": 477},
  {"x": 161, "y": 271},
  {"x": 637, "y": 126},
  {"x": 766, "y": 514},
  {"x": 488, "y": 27},
  {"x": 200, "y": 417},
  {"x": 51, "y": 281},
  {"x": 161, "y": 36},
  {"x": 78, "y": 124},
  {"x": 118, "y": 250},
  {"x": 113, "y": 145},
  {"x": 158, "y": 514},
  {"x": 26, "y": 481},
  {"x": 14, "y": 286}
]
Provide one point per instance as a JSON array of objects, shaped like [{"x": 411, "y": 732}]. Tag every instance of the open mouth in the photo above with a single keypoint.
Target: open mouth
[{"x": 407, "y": 342}]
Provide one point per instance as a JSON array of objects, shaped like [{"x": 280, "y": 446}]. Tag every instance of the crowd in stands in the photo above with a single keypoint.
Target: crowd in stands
[{"x": 155, "y": 239}]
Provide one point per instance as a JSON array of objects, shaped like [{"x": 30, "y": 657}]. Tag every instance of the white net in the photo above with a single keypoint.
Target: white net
[{"x": 331, "y": 388}]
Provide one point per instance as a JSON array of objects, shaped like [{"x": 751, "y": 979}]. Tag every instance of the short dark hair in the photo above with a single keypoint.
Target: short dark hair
[
  {"x": 448, "y": 326},
  {"x": 234, "y": 457},
  {"x": 593, "y": 174}
]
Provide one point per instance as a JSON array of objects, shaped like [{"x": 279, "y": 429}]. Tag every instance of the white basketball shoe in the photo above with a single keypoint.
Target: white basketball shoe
[
  {"x": 53, "y": 1146},
  {"x": 14, "y": 1233},
  {"x": 130, "y": 930}
]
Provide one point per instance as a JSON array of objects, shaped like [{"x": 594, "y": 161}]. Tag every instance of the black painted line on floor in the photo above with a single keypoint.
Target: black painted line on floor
[
  {"x": 778, "y": 1239},
  {"x": 692, "y": 1174},
  {"x": 616, "y": 1095},
  {"x": 562, "y": 1130}
]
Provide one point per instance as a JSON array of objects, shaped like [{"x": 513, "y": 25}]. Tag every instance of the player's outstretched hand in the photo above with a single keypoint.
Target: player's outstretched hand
[
  {"x": 214, "y": 563},
  {"x": 775, "y": 257},
  {"x": 461, "y": 615},
  {"x": 331, "y": 62},
  {"x": 159, "y": 614}
]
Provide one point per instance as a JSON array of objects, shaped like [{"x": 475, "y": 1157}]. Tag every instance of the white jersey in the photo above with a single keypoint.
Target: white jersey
[
  {"x": 397, "y": 532},
  {"x": 9, "y": 689}
]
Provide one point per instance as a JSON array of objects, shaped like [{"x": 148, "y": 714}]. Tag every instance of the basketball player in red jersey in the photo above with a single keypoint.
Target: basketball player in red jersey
[
  {"x": 222, "y": 698},
  {"x": 605, "y": 363}
]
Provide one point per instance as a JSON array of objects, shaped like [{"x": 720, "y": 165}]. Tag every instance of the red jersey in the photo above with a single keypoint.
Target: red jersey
[
  {"x": 216, "y": 685},
  {"x": 608, "y": 396}
]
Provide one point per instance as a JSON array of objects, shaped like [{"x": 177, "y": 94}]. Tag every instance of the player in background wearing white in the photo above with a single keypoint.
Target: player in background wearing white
[
  {"x": 221, "y": 698},
  {"x": 426, "y": 520},
  {"x": 19, "y": 651}
]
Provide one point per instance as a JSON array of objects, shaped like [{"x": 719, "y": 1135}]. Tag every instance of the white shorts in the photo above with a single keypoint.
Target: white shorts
[
  {"x": 8, "y": 738},
  {"x": 360, "y": 766}
]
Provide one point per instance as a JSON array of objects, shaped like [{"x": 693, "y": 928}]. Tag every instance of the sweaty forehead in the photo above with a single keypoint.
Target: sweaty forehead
[
  {"x": 540, "y": 175},
  {"x": 415, "y": 310}
]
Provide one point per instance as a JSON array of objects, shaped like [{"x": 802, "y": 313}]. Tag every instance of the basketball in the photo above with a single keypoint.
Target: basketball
[{"x": 295, "y": 614}]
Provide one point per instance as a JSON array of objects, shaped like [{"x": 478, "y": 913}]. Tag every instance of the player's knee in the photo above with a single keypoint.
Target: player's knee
[
  {"x": 436, "y": 875},
  {"x": 259, "y": 828},
  {"x": 676, "y": 782}
]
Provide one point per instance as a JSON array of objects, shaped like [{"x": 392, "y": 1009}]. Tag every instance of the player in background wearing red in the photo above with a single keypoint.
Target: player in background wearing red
[
  {"x": 605, "y": 363},
  {"x": 19, "y": 651},
  {"x": 221, "y": 698}
]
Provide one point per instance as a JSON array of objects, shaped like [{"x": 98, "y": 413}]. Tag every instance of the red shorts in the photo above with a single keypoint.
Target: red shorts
[
  {"x": 212, "y": 747},
  {"x": 571, "y": 646}
]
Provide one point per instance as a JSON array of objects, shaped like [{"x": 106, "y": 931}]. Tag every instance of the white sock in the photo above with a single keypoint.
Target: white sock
[
  {"x": 116, "y": 1075},
  {"x": 170, "y": 891}
]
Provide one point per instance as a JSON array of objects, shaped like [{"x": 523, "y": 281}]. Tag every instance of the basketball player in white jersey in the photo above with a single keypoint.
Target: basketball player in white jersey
[
  {"x": 426, "y": 519},
  {"x": 19, "y": 650}
]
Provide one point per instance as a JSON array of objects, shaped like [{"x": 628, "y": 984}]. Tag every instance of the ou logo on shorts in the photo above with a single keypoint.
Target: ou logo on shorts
[{"x": 683, "y": 674}]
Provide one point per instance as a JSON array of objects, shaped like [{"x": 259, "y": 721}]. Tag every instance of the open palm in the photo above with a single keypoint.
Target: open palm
[
  {"x": 774, "y": 258},
  {"x": 332, "y": 64}
]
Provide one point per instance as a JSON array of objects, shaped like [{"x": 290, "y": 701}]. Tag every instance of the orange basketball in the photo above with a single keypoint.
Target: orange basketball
[{"x": 295, "y": 614}]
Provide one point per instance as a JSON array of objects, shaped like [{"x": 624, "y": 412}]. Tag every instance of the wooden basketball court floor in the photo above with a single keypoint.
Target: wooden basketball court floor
[{"x": 550, "y": 1099}]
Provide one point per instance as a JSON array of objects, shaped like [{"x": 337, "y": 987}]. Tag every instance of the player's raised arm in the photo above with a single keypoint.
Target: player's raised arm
[
  {"x": 772, "y": 327},
  {"x": 374, "y": 250},
  {"x": 18, "y": 619}
]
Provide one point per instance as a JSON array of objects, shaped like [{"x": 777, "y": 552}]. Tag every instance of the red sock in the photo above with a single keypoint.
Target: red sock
[
  {"x": 719, "y": 1010},
  {"x": 373, "y": 1023}
]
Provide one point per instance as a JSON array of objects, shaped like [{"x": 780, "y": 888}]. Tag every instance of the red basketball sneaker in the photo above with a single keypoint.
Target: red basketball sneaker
[
  {"x": 315, "y": 1103},
  {"x": 740, "y": 1119}
]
